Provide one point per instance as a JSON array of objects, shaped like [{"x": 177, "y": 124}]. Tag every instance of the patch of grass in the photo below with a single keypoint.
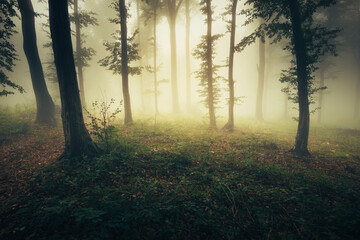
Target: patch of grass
[
  {"x": 179, "y": 181},
  {"x": 14, "y": 121}
]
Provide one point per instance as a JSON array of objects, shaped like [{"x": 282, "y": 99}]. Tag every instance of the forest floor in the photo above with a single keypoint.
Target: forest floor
[{"x": 180, "y": 180}]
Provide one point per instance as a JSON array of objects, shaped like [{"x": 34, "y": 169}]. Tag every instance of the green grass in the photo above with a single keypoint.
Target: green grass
[
  {"x": 182, "y": 181},
  {"x": 14, "y": 121}
]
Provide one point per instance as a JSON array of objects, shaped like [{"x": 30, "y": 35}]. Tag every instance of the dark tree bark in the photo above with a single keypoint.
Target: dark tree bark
[
  {"x": 261, "y": 79},
  {"x": 77, "y": 139},
  {"x": 230, "y": 124},
  {"x": 302, "y": 136},
  {"x": 210, "y": 65},
  {"x": 155, "y": 63},
  {"x": 187, "y": 55},
  {"x": 172, "y": 14},
  {"x": 124, "y": 63},
  {"x": 78, "y": 53},
  {"x": 321, "y": 94},
  {"x": 45, "y": 112}
]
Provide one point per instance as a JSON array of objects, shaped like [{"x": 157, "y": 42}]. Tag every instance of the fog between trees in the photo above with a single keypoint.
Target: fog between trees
[{"x": 100, "y": 84}]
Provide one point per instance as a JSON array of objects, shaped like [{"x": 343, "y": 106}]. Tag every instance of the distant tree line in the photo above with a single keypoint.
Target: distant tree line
[{"x": 293, "y": 25}]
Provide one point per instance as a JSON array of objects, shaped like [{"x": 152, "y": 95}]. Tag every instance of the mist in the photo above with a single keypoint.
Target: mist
[{"x": 179, "y": 119}]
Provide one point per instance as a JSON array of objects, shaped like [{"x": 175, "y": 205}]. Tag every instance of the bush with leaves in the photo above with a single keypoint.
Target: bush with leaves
[{"x": 100, "y": 123}]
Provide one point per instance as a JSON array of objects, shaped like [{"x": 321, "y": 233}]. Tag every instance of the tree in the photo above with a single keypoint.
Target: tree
[
  {"x": 45, "y": 113},
  {"x": 172, "y": 11},
  {"x": 187, "y": 55},
  {"x": 77, "y": 139},
  {"x": 83, "y": 55},
  {"x": 261, "y": 79},
  {"x": 349, "y": 16},
  {"x": 231, "y": 10},
  {"x": 152, "y": 12},
  {"x": 7, "y": 50},
  {"x": 207, "y": 74},
  {"x": 293, "y": 20},
  {"x": 122, "y": 52}
]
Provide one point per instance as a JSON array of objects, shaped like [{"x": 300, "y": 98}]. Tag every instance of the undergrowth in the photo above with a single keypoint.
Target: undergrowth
[{"x": 171, "y": 183}]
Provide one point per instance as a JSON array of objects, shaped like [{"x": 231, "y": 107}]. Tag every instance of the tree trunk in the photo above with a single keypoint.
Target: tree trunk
[
  {"x": 172, "y": 11},
  {"x": 187, "y": 56},
  {"x": 230, "y": 124},
  {"x": 78, "y": 53},
  {"x": 261, "y": 78},
  {"x": 45, "y": 109},
  {"x": 357, "y": 96},
  {"x": 77, "y": 138},
  {"x": 155, "y": 63},
  {"x": 124, "y": 63},
  {"x": 139, "y": 39},
  {"x": 321, "y": 94},
  {"x": 210, "y": 66},
  {"x": 302, "y": 136}
]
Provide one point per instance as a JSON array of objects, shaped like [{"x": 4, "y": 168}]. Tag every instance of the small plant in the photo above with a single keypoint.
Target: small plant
[{"x": 100, "y": 125}]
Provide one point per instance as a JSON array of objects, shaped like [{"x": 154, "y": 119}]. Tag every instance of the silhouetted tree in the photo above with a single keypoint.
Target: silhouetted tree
[
  {"x": 7, "y": 50},
  {"x": 261, "y": 78},
  {"x": 232, "y": 25},
  {"x": 293, "y": 19},
  {"x": 77, "y": 139},
  {"x": 45, "y": 108},
  {"x": 207, "y": 74},
  {"x": 172, "y": 11},
  {"x": 83, "y": 55},
  {"x": 122, "y": 52}
]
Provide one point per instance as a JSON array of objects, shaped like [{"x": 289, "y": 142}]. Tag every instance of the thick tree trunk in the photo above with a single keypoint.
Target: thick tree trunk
[
  {"x": 172, "y": 11},
  {"x": 230, "y": 124},
  {"x": 139, "y": 39},
  {"x": 187, "y": 55},
  {"x": 124, "y": 63},
  {"x": 321, "y": 94},
  {"x": 45, "y": 112},
  {"x": 301, "y": 142},
  {"x": 78, "y": 53},
  {"x": 261, "y": 78},
  {"x": 155, "y": 63},
  {"x": 210, "y": 66},
  {"x": 77, "y": 138}
]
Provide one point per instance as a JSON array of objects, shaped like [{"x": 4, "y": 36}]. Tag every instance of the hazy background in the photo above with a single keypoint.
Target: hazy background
[{"x": 101, "y": 84}]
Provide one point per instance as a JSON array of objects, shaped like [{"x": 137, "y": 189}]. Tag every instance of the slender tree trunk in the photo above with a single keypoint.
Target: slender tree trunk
[
  {"x": 172, "y": 11},
  {"x": 286, "y": 106},
  {"x": 78, "y": 53},
  {"x": 261, "y": 78},
  {"x": 267, "y": 78},
  {"x": 210, "y": 66},
  {"x": 139, "y": 39},
  {"x": 155, "y": 63},
  {"x": 357, "y": 96},
  {"x": 301, "y": 142},
  {"x": 124, "y": 63},
  {"x": 321, "y": 94},
  {"x": 77, "y": 138},
  {"x": 45, "y": 111},
  {"x": 187, "y": 56},
  {"x": 230, "y": 124}
]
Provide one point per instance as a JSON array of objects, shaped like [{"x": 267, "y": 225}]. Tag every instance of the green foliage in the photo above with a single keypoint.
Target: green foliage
[
  {"x": 15, "y": 121},
  {"x": 7, "y": 50},
  {"x": 100, "y": 124},
  {"x": 113, "y": 61},
  {"x": 201, "y": 53},
  {"x": 319, "y": 40},
  {"x": 174, "y": 183}
]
